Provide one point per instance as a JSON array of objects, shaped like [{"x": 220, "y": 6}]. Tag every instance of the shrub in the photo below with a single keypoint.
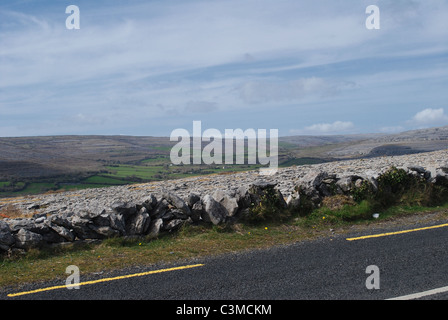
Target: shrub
[
  {"x": 363, "y": 192},
  {"x": 348, "y": 212},
  {"x": 394, "y": 181},
  {"x": 267, "y": 205},
  {"x": 396, "y": 186},
  {"x": 337, "y": 202},
  {"x": 306, "y": 205}
]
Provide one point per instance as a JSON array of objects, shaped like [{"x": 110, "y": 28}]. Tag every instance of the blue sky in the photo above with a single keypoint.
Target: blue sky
[{"x": 149, "y": 67}]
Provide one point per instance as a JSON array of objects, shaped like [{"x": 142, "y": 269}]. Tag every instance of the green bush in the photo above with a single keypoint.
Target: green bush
[
  {"x": 365, "y": 191},
  {"x": 347, "y": 213},
  {"x": 397, "y": 187},
  {"x": 267, "y": 205}
]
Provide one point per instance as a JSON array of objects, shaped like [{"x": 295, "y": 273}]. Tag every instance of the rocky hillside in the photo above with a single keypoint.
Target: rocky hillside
[
  {"x": 151, "y": 208},
  {"x": 38, "y": 157},
  {"x": 408, "y": 142}
]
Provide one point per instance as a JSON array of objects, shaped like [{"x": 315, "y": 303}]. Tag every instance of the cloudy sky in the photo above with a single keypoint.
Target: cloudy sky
[{"x": 149, "y": 67}]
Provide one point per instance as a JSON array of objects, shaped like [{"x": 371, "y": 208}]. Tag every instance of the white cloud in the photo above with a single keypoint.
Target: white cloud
[
  {"x": 325, "y": 128},
  {"x": 155, "y": 60},
  {"x": 430, "y": 117},
  {"x": 425, "y": 118}
]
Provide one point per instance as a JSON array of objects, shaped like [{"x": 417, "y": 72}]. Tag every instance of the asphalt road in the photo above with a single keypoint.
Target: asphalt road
[{"x": 330, "y": 268}]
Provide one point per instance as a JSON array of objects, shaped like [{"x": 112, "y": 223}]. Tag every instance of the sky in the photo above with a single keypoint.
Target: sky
[{"x": 146, "y": 68}]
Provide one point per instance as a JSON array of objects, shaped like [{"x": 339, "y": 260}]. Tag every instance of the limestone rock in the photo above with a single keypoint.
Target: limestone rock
[
  {"x": 138, "y": 223},
  {"x": 293, "y": 200},
  {"x": 228, "y": 202},
  {"x": 214, "y": 212},
  {"x": 176, "y": 201},
  {"x": 173, "y": 225},
  {"x": 160, "y": 209},
  {"x": 154, "y": 228},
  {"x": 6, "y": 238},
  {"x": 192, "y": 199},
  {"x": 197, "y": 211},
  {"x": 63, "y": 232},
  {"x": 25, "y": 239},
  {"x": 81, "y": 228},
  {"x": 124, "y": 208}
]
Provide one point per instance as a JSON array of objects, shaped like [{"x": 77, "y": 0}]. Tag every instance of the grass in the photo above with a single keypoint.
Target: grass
[
  {"x": 117, "y": 253},
  {"x": 156, "y": 160},
  {"x": 346, "y": 214},
  {"x": 191, "y": 241},
  {"x": 398, "y": 195},
  {"x": 98, "y": 179},
  {"x": 154, "y": 172},
  {"x": 142, "y": 172},
  {"x": 150, "y": 169},
  {"x": 361, "y": 213},
  {"x": 122, "y": 174},
  {"x": 36, "y": 187}
]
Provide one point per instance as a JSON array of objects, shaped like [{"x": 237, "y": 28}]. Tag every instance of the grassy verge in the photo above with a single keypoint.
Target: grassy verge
[
  {"x": 192, "y": 241},
  {"x": 362, "y": 213},
  {"x": 398, "y": 195},
  {"x": 117, "y": 253}
]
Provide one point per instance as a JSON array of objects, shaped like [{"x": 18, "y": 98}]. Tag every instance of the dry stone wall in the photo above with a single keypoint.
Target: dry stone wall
[{"x": 151, "y": 208}]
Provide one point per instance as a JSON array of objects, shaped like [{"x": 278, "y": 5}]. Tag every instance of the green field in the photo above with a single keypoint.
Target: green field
[
  {"x": 166, "y": 171},
  {"x": 156, "y": 160},
  {"x": 128, "y": 171},
  {"x": 103, "y": 180},
  {"x": 157, "y": 168},
  {"x": 36, "y": 187},
  {"x": 117, "y": 175}
]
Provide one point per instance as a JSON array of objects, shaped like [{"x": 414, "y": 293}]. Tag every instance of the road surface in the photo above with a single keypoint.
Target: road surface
[{"x": 340, "y": 267}]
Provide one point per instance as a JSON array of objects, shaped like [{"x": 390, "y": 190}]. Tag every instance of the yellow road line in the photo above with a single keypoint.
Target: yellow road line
[
  {"x": 396, "y": 232},
  {"x": 104, "y": 280}
]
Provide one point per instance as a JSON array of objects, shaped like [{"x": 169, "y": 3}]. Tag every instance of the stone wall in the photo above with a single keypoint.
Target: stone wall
[
  {"x": 147, "y": 218},
  {"x": 150, "y": 209}
]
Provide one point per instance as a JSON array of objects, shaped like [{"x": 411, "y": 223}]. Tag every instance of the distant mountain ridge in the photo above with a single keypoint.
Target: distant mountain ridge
[
  {"x": 70, "y": 155},
  {"x": 429, "y": 134}
]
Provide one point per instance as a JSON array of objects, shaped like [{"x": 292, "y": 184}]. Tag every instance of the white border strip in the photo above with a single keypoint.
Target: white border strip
[{"x": 421, "y": 294}]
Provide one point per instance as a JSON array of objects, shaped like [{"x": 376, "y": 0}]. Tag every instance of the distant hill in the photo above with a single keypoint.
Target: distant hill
[
  {"x": 34, "y": 157},
  {"x": 56, "y": 155},
  {"x": 408, "y": 142}
]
